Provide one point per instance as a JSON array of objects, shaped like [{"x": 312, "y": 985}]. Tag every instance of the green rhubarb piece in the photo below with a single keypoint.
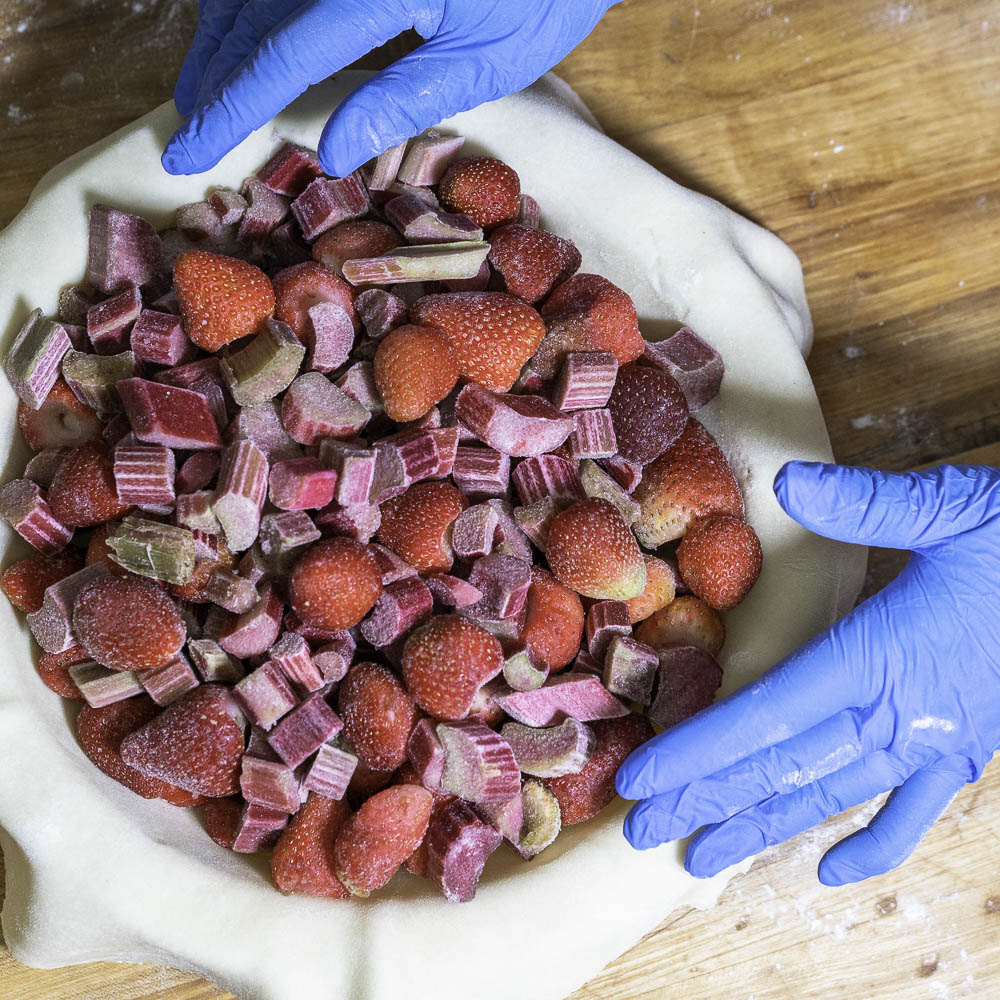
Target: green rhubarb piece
[
  {"x": 266, "y": 366},
  {"x": 434, "y": 262},
  {"x": 93, "y": 377},
  {"x": 542, "y": 819},
  {"x": 149, "y": 548}
]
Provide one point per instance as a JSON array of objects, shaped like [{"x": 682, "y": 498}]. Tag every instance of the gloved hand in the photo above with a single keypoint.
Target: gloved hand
[
  {"x": 903, "y": 693},
  {"x": 250, "y": 58}
]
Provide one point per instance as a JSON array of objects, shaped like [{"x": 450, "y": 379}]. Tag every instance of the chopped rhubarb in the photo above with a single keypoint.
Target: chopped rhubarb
[
  {"x": 434, "y": 262},
  {"x": 510, "y": 540},
  {"x": 110, "y": 322},
  {"x": 262, "y": 425},
  {"x": 291, "y": 653},
  {"x": 51, "y": 623},
  {"x": 593, "y": 435},
  {"x": 426, "y": 754},
  {"x": 270, "y": 784},
  {"x": 536, "y": 518},
  {"x": 452, "y": 591},
  {"x": 74, "y": 301},
  {"x": 605, "y": 620},
  {"x": 301, "y": 484},
  {"x": 630, "y": 669},
  {"x": 473, "y": 531},
  {"x": 24, "y": 507},
  {"x": 331, "y": 772},
  {"x": 358, "y": 382},
  {"x": 171, "y": 681},
  {"x": 686, "y": 682},
  {"x": 123, "y": 249},
  {"x": 529, "y": 212},
  {"x": 514, "y": 425},
  {"x": 505, "y": 817},
  {"x": 32, "y": 365},
  {"x": 479, "y": 763},
  {"x": 334, "y": 658},
  {"x": 199, "y": 221},
  {"x": 290, "y": 170},
  {"x": 265, "y": 210},
  {"x": 553, "y": 751},
  {"x": 391, "y": 566},
  {"x": 428, "y": 157},
  {"x": 458, "y": 844},
  {"x": 266, "y": 366},
  {"x": 240, "y": 493},
  {"x": 481, "y": 472},
  {"x": 314, "y": 408},
  {"x": 42, "y": 467},
  {"x": 547, "y": 476},
  {"x": 586, "y": 380},
  {"x": 330, "y": 336},
  {"x": 94, "y": 379},
  {"x": 504, "y": 581},
  {"x": 149, "y": 548},
  {"x": 229, "y": 590},
  {"x": 402, "y": 606},
  {"x": 542, "y": 819},
  {"x": 144, "y": 474},
  {"x": 304, "y": 730},
  {"x": 694, "y": 364},
  {"x": 213, "y": 663},
  {"x": 100, "y": 686},
  {"x": 421, "y": 223},
  {"x": 360, "y": 521},
  {"x": 380, "y": 311},
  {"x": 355, "y": 468},
  {"x": 256, "y": 630},
  {"x": 385, "y": 167},
  {"x": 159, "y": 338},
  {"x": 574, "y": 696},
  {"x": 266, "y": 695},
  {"x": 523, "y": 670},
  {"x": 258, "y": 828},
  {"x": 325, "y": 202},
  {"x": 626, "y": 473},
  {"x": 194, "y": 510},
  {"x": 597, "y": 483},
  {"x": 167, "y": 415}
]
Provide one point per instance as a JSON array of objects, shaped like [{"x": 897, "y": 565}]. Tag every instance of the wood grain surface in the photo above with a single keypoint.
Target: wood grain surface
[{"x": 863, "y": 133}]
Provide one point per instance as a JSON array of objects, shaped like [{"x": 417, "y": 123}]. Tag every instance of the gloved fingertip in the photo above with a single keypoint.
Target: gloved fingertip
[
  {"x": 346, "y": 143},
  {"x": 795, "y": 474},
  {"x": 834, "y": 870},
  {"x": 719, "y": 846},
  {"x": 641, "y": 827}
]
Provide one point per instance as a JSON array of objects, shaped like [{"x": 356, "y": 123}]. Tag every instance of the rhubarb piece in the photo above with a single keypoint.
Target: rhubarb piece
[
  {"x": 586, "y": 380},
  {"x": 283, "y": 536},
  {"x": 586, "y": 664},
  {"x": 330, "y": 772},
  {"x": 159, "y": 338},
  {"x": 358, "y": 522},
  {"x": 290, "y": 170},
  {"x": 390, "y": 476},
  {"x": 123, "y": 249},
  {"x": 510, "y": 540},
  {"x": 95, "y": 379},
  {"x": 473, "y": 531},
  {"x": 197, "y": 471},
  {"x": 649, "y": 413},
  {"x": 536, "y": 519},
  {"x": 451, "y": 591},
  {"x": 529, "y": 212},
  {"x": 194, "y": 510},
  {"x": 270, "y": 784},
  {"x": 240, "y": 492},
  {"x": 597, "y": 483},
  {"x": 266, "y": 366},
  {"x": 436, "y": 262},
  {"x": 266, "y": 695},
  {"x": 288, "y": 245},
  {"x": 24, "y": 507},
  {"x": 325, "y": 202},
  {"x": 426, "y": 453},
  {"x": 291, "y": 653},
  {"x": 605, "y": 620},
  {"x": 100, "y": 686},
  {"x": 504, "y": 582},
  {"x": 355, "y": 469},
  {"x": 265, "y": 210},
  {"x": 513, "y": 425},
  {"x": 171, "y": 681},
  {"x": 149, "y": 548},
  {"x": 304, "y": 730},
  {"x": 32, "y": 364},
  {"x": 426, "y": 754},
  {"x": 167, "y": 415},
  {"x": 547, "y": 476},
  {"x": 384, "y": 168},
  {"x": 458, "y": 844},
  {"x": 314, "y": 408},
  {"x": 259, "y": 827},
  {"x": 380, "y": 311},
  {"x": 144, "y": 474},
  {"x": 333, "y": 659},
  {"x": 695, "y": 365},
  {"x": 575, "y": 696},
  {"x": 229, "y": 590},
  {"x": 213, "y": 662},
  {"x": 256, "y": 630},
  {"x": 50, "y": 624},
  {"x": 358, "y": 382},
  {"x": 630, "y": 669},
  {"x": 428, "y": 157},
  {"x": 402, "y": 606},
  {"x": 550, "y": 752},
  {"x": 301, "y": 484},
  {"x": 542, "y": 819},
  {"x": 186, "y": 376},
  {"x": 524, "y": 670},
  {"x": 421, "y": 223},
  {"x": 479, "y": 764},
  {"x": 481, "y": 472},
  {"x": 74, "y": 301},
  {"x": 199, "y": 221},
  {"x": 42, "y": 467},
  {"x": 262, "y": 425},
  {"x": 509, "y": 631},
  {"x": 593, "y": 435},
  {"x": 507, "y": 818},
  {"x": 390, "y": 565},
  {"x": 110, "y": 322},
  {"x": 686, "y": 682},
  {"x": 330, "y": 337}
]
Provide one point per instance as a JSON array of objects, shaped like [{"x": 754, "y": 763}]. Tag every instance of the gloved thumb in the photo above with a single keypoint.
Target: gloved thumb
[{"x": 896, "y": 510}]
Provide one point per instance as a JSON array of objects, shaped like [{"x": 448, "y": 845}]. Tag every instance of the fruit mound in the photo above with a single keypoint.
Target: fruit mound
[{"x": 365, "y": 522}]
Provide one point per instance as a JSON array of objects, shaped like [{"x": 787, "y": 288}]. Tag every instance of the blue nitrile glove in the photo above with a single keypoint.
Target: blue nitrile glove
[
  {"x": 903, "y": 693},
  {"x": 251, "y": 58}
]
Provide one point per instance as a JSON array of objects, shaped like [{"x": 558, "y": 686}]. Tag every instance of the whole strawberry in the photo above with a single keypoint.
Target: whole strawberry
[
  {"x": 378, "y": 715},
  {"x": 415, "y": 525},
  {"x": 483, "y": 188},
  {"x": 83, "y": 491},
  {"x": 553, "y": 624},
  {"x": 303, "y": 860},
  {"x": 685, "y": 621},
  {"x": 415, "y": 368},
  {"x": 531, "y": 261},
  {"x": 720, "y": 559},
  {"x": 334, "y": 584}
]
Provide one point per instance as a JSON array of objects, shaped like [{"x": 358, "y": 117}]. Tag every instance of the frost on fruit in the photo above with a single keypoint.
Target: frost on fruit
[
  {"x": 553, "y": 751},
  {"x": 329, "y": 336},
  {"x": 481, "y": 472},
  {"x": 123, "y": 248},
  {"x": 168, "y": 415},
  {"x": 334, "y": 658},
  {"x": 426, "y": 754},
  {"x": 630, "y": 669},
  {"x": 694, "y": 363},
  {"x": 605, "y": 620},
  {"x": 258, "y": 828},
  {"x": 458, "y": 844},
  {"x": 327, "y": 201},
  {"x": 566, "y": 696},
  {"x": 266, "y": 366},
  {"x": 505, "y": 817},
  {"x": 523, "y": 670},
  {"x": 513, "y": 425},
  {"x": 265, "y": 209},
  {"x": 649, "y": 413},
  {"x": 593, "y": 435},
  {"x": 301, "y": 484},
  {"x": 291, "y": 653},
  {"x": 586, "y": 380},
  {"x": 473, "y": 531},
  {"x": 32, "y": 363},
  {"x": 24, "y": 507},
  {"x": 254, "y": 631},
  {"x": 380, "y": 311},
  {"x": 159, "y": 338},
  {"x": 144, "y": 474},
  {"x": 479, "y": 764},
  {"x": 452, "y": 591},
  {"x": 51, "y": 623},
  {"x": 314, "y": 408}
]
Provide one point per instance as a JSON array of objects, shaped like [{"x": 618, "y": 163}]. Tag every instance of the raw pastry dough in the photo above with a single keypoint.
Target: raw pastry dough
[{"x": 94, "y": 872}]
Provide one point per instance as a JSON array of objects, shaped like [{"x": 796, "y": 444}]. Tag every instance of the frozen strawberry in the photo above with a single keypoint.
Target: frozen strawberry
[
  {"x": 127, "y": 623},
  {"x": 446, "y": 662},
  {"x": 587, "y": 313},
  {"x": 415, "y": 368},
  {"x": 685, "y": 621},
  {"x": 417, "y": 862},
  {"x": 195, "y": 743},
  {"x": 300, "y": 287},
  {"x": 221, "y": 298},
  {"x": 659, "y": 590},
  {"x": 335, "y": 584},
  {"x": 353, "y": 240},
  {"x": 221, "y": 818},
  {"x": 25, "y": 582},
  {"x": 378, "y": 715},
  {"x": 53, "y": 668},
  {"x": 380, "y": 836},
  {"x": 365, "y": 783},
  {"x": 303, "y": 860},
  {"x": 83, "y": 491},
  {"x": 591, "y": 549},
  {"x": 531, "y": 261},
  {"x": 101, "y": 732},
  {"x": 492, "y": 334},
  {"x": 649, "y": 413},
  {"x": 98, "y": 550},
  {"x": 689, "y": 481},
  {"x": 553, "y": 625},
  {"x": 484, "y": 189},
  {"x": 720, "y": 559},
  {"x": 61, "y": 421},
  {"x": 415, "y": 525},
  {"x": 584, "y": 794}
]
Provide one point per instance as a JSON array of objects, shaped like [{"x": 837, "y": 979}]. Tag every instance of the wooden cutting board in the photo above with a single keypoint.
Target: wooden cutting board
[{"x": 865, "y": 134}]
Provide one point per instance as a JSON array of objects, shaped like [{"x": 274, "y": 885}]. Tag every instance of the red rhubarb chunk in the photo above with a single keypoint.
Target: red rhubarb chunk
[{"x": 163, "y": 414}]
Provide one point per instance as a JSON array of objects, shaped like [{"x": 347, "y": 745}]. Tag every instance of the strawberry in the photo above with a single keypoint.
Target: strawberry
[
  {"x": 300, "y": 287},
  {"x": 415, "y": 525},
  {"x": 661, "y": 586},
  {"x": 648, "y": 412},
  {"x": 334, "y": 584},
  {"x": 492, "y": 334},
  {"x": 221, "y": 298},
  {"x": 365, "y": 783},
  {"x": 380, "y": 836},
  {"x": 303, "y": 860},
  {"x": 353, "y": 240},
  {"x": 720, "y": 559},
  {"x": 553, "y": 624},
  {"x": 25, "y": 582},
  {"x": 83, "y": 491},
  {"x": 587, "y": 313},
  {"x": 446, "y": 662},
  {"x": 591, "y": 549},
  {"x": 195, "y": 743},
  {"x": 101, "y": 732},
  {"x": 484, "y": 189},
  {"x": 128, "y": 623},
  {"x": 378, "y": 715},
  {"x": 690, "y": 480},
  {"x": 416, "y": 863},
  {"x": 98, "y": 550},
  {"x": 531, "y": 261},
  {"x": 221, "y": 818},
  {"x": 583, "y": 795},
  {"x": 61, "y": 421},
  {"x": 204, "y": 568},
  {"x": 415, "y": 368},
  {"x": 53, "y": 668},
  {"x": 686, "y": 621}
]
